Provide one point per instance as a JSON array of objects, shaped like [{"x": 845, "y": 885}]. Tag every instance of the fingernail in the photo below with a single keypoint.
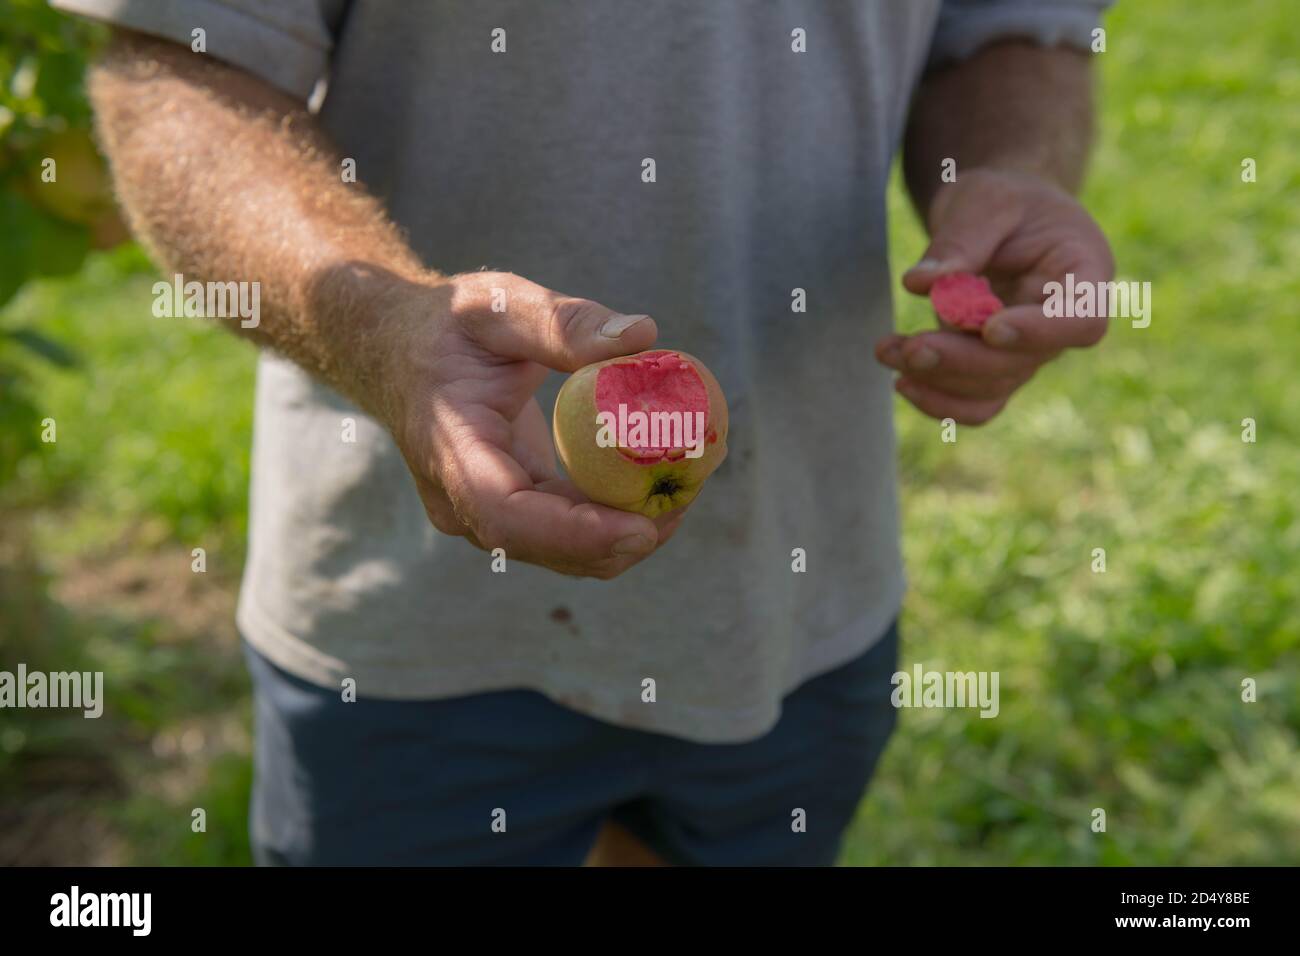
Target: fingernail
[
  {"x": 1000, "y": 333},
  {"x": 923, "y": 358},
  {"x": 634, "y": 544},
  {"x": 616, "y": 325},
  {"x": 929, "y": 265}
]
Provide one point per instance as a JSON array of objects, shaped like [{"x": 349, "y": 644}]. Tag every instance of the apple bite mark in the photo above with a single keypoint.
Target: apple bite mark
[{"x": 658, "y": 383}]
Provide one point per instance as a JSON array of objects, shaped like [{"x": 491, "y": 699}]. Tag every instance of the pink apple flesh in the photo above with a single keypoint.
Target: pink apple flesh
[
  {"x": 964, "y": 300},
  {"x": 649, "y": 473}
]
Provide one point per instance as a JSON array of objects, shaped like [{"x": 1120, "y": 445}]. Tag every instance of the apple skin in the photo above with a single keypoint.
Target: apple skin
[{"x": 610, "y": 476}]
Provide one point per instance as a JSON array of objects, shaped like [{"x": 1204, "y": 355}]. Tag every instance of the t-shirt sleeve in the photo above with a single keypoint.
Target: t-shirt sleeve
[
  {"x": 966, "y": 25},
  {"x": 285, "y": 42}
]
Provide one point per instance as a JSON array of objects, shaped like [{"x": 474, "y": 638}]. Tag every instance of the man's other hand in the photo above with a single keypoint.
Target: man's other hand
[{"x": 1021, "y": 232}]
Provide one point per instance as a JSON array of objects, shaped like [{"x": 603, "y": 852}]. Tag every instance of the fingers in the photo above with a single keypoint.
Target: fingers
[
  {"x": 955, "y": 375},
  {"x": 967, "y": 227},
  {"x": 941, "y": 405},
  {"x": 669, "y": 522},
  {"x": 666, "y": 523},
  {"x": 553, "y": 525},
  {"x": 945, "y": 352},
  {"x": 1025, "y": 329},
  {"x": 1011, "y": 345},
  {"x": 531, "y": 444},
  {"x": 517, "y": 319},
  {"x": 547, "y": 529},
  {"x": 499, "y": 506}
]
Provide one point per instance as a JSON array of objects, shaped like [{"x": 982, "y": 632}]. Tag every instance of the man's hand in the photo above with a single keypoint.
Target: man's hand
[
  {"x": 1016, "y": 118},
  {"x": 459, "y": 388},
  {"x": 1021, "y": 232}
]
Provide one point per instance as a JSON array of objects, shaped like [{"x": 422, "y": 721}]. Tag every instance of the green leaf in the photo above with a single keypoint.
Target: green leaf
[
  {"x": 34, "y": 243},
  {"x": 16, "y": 218},
  {"x": 48, "y": 349},
  {"x": 56, "y": 248}
]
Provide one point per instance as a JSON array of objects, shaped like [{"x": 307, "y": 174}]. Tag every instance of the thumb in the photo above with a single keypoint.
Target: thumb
[
  {"x": 967, "y": 227},
  {"x": 518, "y": 319}
]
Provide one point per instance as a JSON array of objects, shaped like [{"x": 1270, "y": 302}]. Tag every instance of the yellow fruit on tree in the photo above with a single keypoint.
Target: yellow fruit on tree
[{"x": 71, "y": 180}]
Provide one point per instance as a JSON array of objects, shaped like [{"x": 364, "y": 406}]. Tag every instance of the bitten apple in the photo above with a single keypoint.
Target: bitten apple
[{"x": 641, "y": 432}]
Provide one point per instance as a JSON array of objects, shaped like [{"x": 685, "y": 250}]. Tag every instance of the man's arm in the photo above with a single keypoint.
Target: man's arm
[
  {"x": 225, "y": 179},
  {"x": 1013, "y": 106},
  {"x": 1017, "y": 120}
]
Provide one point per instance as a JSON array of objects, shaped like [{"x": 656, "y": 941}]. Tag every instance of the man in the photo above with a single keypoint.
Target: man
[{"x": 559, "y": 173}]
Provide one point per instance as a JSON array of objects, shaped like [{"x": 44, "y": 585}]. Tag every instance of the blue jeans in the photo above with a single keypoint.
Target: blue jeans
[{"x": 420, "y": 783}]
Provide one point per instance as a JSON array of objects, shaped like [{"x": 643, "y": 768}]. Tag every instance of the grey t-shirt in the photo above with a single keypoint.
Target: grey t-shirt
[{"x": 771, "y": 170}]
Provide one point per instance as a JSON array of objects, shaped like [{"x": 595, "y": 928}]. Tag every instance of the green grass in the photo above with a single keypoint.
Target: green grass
[
  {"x": 156, "y": 424},
  {"x": 1119, "y": 691},
  {"x": 151, "y": 458}
]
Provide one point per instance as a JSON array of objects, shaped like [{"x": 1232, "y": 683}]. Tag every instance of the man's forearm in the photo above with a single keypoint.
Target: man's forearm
[
  {"x": 224, "y": 179},
  {"x": 1013, "y": 106}
]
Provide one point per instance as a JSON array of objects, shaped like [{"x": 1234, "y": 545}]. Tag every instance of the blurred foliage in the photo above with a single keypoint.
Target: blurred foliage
[
  {"x": 19, "y": 416},
  {"x": 54, "y": 191},
  {"x": 1119, "y": 691},
  {"x": 43, "y": 57},
  {"x": 44, "y": 125},
  {"x": 157, "y": 422}
]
